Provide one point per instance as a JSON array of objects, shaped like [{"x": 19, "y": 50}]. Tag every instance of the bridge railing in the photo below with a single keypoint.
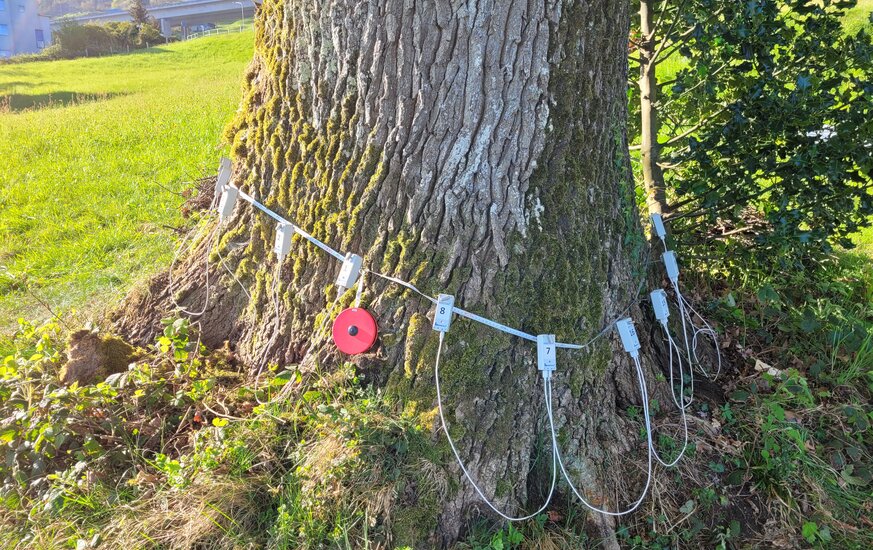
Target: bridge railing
[{"x": 211, "y": 32}]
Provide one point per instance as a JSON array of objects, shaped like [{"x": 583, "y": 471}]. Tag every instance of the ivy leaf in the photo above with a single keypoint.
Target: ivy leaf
[
  {"x": 7, "y": 435},
  {"x": 688, "y": 507},
  {"x": 311, "y": 395},
  {"x": 809, "y": 530}
]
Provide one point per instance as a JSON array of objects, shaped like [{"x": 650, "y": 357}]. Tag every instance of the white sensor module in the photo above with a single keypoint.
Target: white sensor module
[
  {"x": 658, "y": 224},
  {"x": 284, "y": 231},
  {"x": 628, "y": 334},
  {"x": 671, "y": 265},
  {"x": 228, "y": 202},
  {"x": 442, "y": 318},
  {"x": 659, "y": 304},
  {"x": 224, "y": 166},
  {"x": 546, "y": 360},
  {"x": 349, "y": 272}
]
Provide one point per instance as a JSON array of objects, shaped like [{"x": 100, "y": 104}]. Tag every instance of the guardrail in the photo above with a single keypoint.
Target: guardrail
[{"x": 212, "y": 32}]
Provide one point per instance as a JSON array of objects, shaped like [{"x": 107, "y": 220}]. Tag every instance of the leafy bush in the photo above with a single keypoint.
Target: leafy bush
[
  {"x": 52, "y": 431},
  {"x": 91, "y": 39},
  {"x": 765, "y": 133}
]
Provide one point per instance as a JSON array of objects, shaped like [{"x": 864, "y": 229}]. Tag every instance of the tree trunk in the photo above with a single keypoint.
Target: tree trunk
[
  {"x": 653, "y": 177},
  {"x": 473, "y": 148}
]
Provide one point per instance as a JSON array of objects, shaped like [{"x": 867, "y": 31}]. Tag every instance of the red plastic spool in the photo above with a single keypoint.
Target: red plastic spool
[{"x": 354, "y": 331}]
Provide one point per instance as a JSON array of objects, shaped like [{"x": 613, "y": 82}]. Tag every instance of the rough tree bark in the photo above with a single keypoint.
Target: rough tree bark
[{"x": 476, "y": 148}]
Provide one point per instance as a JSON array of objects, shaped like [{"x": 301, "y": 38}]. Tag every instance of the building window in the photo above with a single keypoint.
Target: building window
[
  {"x": 40, "y": 39},
  {"x": 2, "y": 5},
  {"x": 4, "y": 30},
  {"x": 21, "y": 8}
]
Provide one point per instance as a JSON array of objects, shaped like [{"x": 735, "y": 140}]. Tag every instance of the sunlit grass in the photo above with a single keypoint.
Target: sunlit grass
[
  {"x": 864, "y": 242},
  {"x": 858, "y": 17},
  {"x": 94, "y": 152}
]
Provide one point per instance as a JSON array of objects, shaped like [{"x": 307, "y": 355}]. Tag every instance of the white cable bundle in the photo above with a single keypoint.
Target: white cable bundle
[
  {"x": 686, "y": 309},
  {"x": 547, "y": 389},
  {"x": 662, "y": 313}
]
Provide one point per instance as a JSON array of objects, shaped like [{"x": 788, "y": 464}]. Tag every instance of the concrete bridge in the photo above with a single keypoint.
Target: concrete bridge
[{"x": 195, "y": 14}]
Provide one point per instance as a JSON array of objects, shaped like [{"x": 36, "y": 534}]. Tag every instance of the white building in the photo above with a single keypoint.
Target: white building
[{"x": 22, "y": 28}]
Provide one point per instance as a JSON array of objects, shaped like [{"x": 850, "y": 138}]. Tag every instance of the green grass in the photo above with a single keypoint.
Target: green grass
[
  {"x": 864, "y": 242},
  {"x": 94, "y": 152},
  {"x": 858, "y": 17}
]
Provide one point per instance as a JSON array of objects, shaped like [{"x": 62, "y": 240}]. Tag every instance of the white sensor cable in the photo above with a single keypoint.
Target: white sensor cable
[
  {"x": 359, "y": 292},
  {"x": 276, "y": 289},
  {"x": 680, "y": 402},
  {"x": 171, "y": 283},
  {"x": 548, "y": 397},
  {"x": 638, "y": 501},
  {"x": 276, "y": 332},
  {"x": 221, "y": 260},
  {"x": 684, "y": 400},
  {"x": 708, "y": 330},
  {"x": 685, "y": 311}
]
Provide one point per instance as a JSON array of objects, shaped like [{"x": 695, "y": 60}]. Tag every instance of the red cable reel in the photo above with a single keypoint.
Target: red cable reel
[{"x": 354, "y": 331}]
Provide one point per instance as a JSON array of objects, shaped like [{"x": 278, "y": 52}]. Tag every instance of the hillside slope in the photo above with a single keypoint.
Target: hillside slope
[{"x": 95, "y": 152}]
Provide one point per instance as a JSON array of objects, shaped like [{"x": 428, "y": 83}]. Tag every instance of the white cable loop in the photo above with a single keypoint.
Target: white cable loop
[
  {"x": 689, "y": 326},
  {"x": 681, "y": 404},
  {"x": 685, "y": 399},
  {"x": 636, "y": 504},
  {"x": 171, "y": 279},
  {"x": 707, "y": 329},
  {"x": 548, "y": 397}
]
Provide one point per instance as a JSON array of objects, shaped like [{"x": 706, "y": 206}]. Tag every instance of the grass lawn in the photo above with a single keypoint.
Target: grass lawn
[
  {"x": 93, "y": 154},
  {"x": 858, "y": 17},
  {"x": 864, "y": 241}
]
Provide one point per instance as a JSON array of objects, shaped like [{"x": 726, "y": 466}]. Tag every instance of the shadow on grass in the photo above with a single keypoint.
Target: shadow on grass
[
  {"x": 26, "y": 102},
  {"x": 15, "y": 84}
]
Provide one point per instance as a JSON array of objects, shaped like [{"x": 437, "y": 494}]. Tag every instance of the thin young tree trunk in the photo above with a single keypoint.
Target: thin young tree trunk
[
  {"x": 653, "y": 177},
  {"x": 475, "y": 148}
]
